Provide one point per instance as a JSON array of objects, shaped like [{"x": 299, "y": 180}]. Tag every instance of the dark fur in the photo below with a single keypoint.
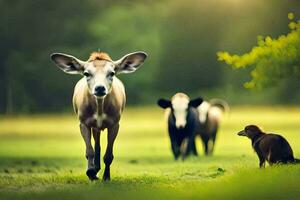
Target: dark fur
[
  {"x": 179, "y": 137},
  {"x": 208, "y": 133},
  {"x": 272, "y": 148},
  {"x": 208, "y": 130}
]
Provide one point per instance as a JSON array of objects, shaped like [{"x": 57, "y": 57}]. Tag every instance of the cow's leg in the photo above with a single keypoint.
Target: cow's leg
[
  {"x": 194, "y": 148},
  {"x": 96, "y": 136},
  {"x": 175, "y": 149},
  {"x": 189, "y": 146},
  {"x": 86, "y": 134},
  {"x": 184, "y": 148},
  {"x": 213, "y": 140},
  {"x": 175, "y": 141},
  {"x": 108, "y": 157},
  {"x": 206, "y": 146}
]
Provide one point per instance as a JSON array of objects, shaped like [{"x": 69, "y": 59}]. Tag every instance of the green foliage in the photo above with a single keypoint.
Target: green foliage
[
  {"x": 180, "y": 37},
  {"x": 127, "y": 28},
  {"x": 47, "y": 160},
  {"x": 272, "y": 59}
]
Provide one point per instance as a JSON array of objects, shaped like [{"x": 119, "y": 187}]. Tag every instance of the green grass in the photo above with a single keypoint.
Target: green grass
[{"x": 42, "y": 157}]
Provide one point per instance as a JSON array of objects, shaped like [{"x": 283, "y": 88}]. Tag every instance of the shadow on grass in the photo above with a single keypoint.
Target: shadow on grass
[{"x": 20, "y": 165}]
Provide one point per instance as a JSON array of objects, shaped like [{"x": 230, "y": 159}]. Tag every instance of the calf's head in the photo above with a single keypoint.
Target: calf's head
[
  {"x": 99, "y": 70},
  {"x": 180, "y": 105}
]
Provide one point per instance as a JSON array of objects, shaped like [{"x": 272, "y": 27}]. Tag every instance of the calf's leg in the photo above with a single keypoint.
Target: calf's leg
[
  {"x": 108, "y": 157},
  {"x": 96, "y": 136},
  {"x": 90, "y": 154}
]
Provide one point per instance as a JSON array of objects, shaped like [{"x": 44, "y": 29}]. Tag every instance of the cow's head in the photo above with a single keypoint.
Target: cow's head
[
  {"x": 99, "y": 70},
  {"x": 180, "y": 105}
]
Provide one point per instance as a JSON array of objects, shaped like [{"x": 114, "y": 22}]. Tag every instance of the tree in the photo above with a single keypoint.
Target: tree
[
  {"x": 272, "y": 60},
  {"x": 28, "y": 36}
]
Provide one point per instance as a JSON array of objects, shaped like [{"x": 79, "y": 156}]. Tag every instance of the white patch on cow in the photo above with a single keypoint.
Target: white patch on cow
[
  {"x": 212, "y": 112},
  {"x": 180, "y": 107},
  {"x": 215, "y": 113},
  {"x": 167, "y": 113},
  {"x": 203, "y": 109}
]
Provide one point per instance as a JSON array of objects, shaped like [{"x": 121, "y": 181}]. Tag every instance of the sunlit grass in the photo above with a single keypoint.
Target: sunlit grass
[{"x": 42, "y": 156}]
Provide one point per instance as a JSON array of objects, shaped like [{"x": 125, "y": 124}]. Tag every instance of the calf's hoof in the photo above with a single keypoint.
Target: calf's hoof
[
  {"x": 92, "y": 174},
  {"x": 106, "y": 175},
  {"x": 106, "y": 178},
  {"x": 97, "y": 169}
]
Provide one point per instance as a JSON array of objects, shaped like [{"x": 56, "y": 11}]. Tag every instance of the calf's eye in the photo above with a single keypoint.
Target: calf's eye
[
  {"x": 111, "y": 74},
  {"x": 87, "y": 74}
]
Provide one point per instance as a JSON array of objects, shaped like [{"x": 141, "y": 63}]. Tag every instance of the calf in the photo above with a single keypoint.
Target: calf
[
  {"x": 182, "y": 123},
  {"x": 210, "y": 114},
  {"x": 98, "y": 100},
  {"x": 272, "y": 148}
]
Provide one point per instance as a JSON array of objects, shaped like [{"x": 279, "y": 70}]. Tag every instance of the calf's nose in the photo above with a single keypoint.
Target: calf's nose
[{"x": 100, "y": 91}]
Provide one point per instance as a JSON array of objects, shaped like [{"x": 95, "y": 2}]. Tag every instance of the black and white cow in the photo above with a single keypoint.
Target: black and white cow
[
  {"x": 210, "y": 115},
  {"x": 183, "y": 122}
]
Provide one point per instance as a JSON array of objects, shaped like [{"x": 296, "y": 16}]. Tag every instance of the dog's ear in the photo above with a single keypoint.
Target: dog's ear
[
  {"x": 164, "y": 103},
  {"x": 195, "y": 102}
]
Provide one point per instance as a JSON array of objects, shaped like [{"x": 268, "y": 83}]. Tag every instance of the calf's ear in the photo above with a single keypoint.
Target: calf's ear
[
  {"x": 195, "y": 102},
  {"x": 68, "y": 63},
  {"x": 164, "y": 103},
  {"x": 130, "y": 62}
]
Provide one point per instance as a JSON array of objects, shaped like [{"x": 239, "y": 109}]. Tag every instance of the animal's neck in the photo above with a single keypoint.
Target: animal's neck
[
  {"x": 100, "y": 106},
  {"x": 255, "y": 140},
  {"x": 103, "y": 102}
]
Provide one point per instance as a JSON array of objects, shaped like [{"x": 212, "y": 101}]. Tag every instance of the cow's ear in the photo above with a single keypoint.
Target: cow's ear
[
  {"x": 195, "y": 102},
  {"x": 164, "y": 103}
]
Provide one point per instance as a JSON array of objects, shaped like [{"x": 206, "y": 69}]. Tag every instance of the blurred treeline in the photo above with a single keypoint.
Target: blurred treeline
[{"x": 181, "y": 38}]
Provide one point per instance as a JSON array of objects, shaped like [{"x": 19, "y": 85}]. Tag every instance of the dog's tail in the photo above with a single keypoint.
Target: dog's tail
[
  {"x": 296, "y": 161},
  {"x": 223, "y": 105}
]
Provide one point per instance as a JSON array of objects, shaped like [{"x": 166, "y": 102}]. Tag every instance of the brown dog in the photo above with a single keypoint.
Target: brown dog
[{"x": 271, "y": 147}]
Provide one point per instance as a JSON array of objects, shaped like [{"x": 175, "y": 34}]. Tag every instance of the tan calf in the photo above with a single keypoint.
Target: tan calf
[{"x": 98, "y": 100}]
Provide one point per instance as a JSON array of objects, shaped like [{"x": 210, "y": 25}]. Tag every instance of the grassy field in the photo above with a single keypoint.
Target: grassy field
[{"x": 42, "y": 157}]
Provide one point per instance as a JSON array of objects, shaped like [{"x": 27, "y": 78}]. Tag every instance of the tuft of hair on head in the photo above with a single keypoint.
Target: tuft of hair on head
[{"x": 99, "y": 56}]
